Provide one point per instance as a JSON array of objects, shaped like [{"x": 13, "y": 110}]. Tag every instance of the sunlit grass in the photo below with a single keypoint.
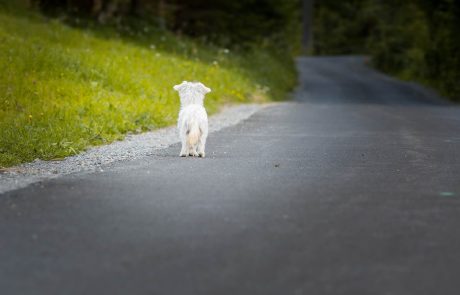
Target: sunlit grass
[{"x": 63, "y": 89}]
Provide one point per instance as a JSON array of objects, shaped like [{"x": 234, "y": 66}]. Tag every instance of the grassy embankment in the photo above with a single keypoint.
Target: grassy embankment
[{"x": 63, "y": 88}]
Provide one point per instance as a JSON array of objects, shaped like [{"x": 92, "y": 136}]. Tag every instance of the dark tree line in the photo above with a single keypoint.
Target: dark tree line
[
  {"x": 96, "y": 8},
  {"x": 414, "y": 39},
  {"x": 222, "y": 21}
]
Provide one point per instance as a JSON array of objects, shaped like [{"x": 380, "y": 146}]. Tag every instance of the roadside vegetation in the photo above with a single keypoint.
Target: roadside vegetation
[
  {"x": 413, "y": 40},
  {"x": 68, "y": 81}
]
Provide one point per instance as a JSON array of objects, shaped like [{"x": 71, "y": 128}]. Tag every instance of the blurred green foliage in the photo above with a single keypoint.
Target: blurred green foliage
[{"x": 414, "y": 39}]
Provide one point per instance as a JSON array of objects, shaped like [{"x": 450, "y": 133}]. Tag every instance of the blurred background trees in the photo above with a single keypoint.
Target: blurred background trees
[
  {"x": 413, "y": 39},
  {"x": 226, "y": 23}
]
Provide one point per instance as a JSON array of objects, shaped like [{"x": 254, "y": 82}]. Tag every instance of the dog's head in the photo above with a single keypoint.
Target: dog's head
[{"x": 191, "y": 92}]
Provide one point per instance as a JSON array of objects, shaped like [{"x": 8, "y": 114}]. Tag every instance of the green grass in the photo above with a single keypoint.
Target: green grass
[{"x": 64, "y": 88}]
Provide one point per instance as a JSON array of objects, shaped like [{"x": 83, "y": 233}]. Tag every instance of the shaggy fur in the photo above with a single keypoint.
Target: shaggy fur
[{"x": 193, "y": 120}]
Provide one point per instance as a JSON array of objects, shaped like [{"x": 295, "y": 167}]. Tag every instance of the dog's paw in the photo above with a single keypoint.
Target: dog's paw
[
  {"x": 202, "y": 155},
  {"x": 195, "y": 154},
  {"x": 182, "y": 155}
]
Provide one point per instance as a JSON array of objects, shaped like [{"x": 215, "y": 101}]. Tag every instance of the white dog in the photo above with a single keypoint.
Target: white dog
[{"x": 193, "y": 120}]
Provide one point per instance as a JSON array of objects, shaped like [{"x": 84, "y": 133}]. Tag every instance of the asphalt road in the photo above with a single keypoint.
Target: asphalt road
[{"x": 352, "y": 189}]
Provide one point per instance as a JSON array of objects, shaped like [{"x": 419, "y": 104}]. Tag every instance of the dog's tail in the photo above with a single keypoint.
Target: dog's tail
[{"x": 193, "y": 133}]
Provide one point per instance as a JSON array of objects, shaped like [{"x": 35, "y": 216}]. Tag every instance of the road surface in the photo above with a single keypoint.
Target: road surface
[{"x": 353, "y": 188}]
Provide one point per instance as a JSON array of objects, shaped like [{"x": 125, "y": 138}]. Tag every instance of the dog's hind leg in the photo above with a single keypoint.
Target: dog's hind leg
[
  {"x": 184, "y": 149},
  {"x": 202, "y": 143},
  {"x": 202, "y": 140},
  {"x": 201, "y": 146}
]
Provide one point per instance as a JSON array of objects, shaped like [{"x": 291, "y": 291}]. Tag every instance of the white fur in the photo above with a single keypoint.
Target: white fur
[{"x": 193, "y": 120}]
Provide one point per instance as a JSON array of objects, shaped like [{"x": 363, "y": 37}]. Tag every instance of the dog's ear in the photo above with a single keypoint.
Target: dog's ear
[
  {"x": 203, "y": 88},
  {"x": 180, "y": 86}
]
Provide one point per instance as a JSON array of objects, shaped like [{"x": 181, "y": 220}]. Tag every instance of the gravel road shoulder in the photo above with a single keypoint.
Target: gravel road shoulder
[{"x": 132, "y": 147}]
